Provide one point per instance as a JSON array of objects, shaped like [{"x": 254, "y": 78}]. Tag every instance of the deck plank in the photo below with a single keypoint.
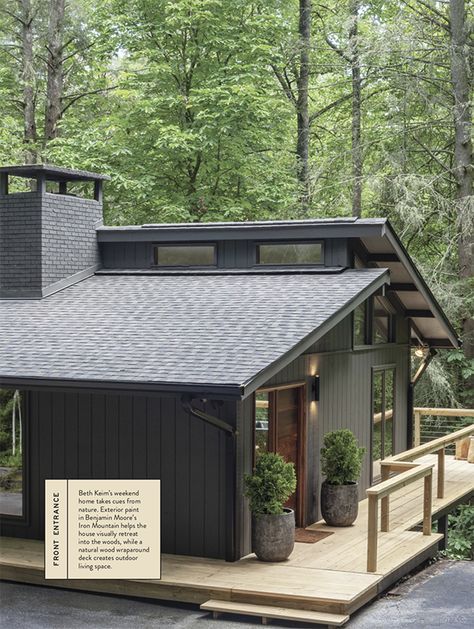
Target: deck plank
[{"x": 269, "y": 611}]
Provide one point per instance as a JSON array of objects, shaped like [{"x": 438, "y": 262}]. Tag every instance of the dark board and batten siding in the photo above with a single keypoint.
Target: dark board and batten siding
[
  {"x": 346, "y": 397},
  {"x": 90, "y": 435},
  {"x": 230, "y": 254}
]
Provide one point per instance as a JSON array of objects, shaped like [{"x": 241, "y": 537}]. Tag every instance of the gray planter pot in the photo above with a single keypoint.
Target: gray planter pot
[
  {"x": 273, "y": 536},
  {"x": 339, "y": 503}
]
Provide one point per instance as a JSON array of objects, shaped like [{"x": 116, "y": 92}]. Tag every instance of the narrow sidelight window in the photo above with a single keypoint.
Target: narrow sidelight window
[
  {"x": 383, "y": 416},
  {"x": 11, "y": 453},
  {"x": 290, "y": 253},
  {"x": 185, "y": 255},
  {"x": 262, "y": 422}
]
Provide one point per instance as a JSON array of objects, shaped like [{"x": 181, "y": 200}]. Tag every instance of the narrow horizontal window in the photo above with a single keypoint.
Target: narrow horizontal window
[
  {"x": 185, "y": 255},
  {"x": 290, "y": 253}
]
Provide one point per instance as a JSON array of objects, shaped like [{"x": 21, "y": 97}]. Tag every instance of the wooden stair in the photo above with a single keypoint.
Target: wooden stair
[{"x": 266, "y": 612}]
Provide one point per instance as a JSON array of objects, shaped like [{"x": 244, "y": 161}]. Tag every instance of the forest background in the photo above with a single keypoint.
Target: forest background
[{"x": 218, "y": 110}]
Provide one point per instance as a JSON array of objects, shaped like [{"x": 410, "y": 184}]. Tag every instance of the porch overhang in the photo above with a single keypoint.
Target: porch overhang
[{"x": 429, "y": 325}]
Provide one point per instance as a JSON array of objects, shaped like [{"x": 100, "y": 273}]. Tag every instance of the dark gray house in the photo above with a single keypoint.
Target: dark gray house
[{"x": 174, "y": 351}]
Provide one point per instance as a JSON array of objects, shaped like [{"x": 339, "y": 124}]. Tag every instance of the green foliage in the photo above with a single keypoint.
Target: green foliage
[
  {"x": 341, "y": 457},
  {"x": 446, "y": 382},
  {"x": 12, "y": 480},
  {"x": 6, "y": 409},
  {"x": 461, "y": 533},
  {"x": 272, "y": 483},
  {"x": 179, "y": 102}
]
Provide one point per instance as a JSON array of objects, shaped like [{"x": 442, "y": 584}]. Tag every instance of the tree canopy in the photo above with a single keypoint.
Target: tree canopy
[{"x": 255, "y": 109}]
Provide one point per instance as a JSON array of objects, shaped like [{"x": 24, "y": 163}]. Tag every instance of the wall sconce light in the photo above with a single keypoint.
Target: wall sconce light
[
  {"x": 421, "y": 351},
  {"x": 316, "y": 388}
]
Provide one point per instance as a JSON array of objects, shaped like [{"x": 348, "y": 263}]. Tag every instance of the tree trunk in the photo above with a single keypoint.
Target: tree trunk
[
  {"x": 302, "y": 145},
  {"x": 54, "y": 88},
  {"x": 28, "y": 80},
  {"x": 463, "y": 155},
  {"x": 357, "y": 159}
]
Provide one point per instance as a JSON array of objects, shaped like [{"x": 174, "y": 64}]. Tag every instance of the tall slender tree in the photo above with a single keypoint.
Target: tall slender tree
[
  {"x": 302, "y": 104},
  {"x": 462, "y": 84},
  {"x": 55, "y": 59},
  {"x": 357, "y": 157},
  {"x": 28, "y": 79}
]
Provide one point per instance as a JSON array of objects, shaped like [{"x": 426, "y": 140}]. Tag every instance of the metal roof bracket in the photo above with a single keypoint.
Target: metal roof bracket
[{"x": 186, "y": 402}]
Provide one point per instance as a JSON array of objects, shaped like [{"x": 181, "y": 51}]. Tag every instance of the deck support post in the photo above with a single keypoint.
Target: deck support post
[
  {"x": 441, "y": 466},
  {"x": 443, "y": 530},
  {"x": 372, "y": 534},
  {"x": 41, "y": 183},
  {"x": 427, "y": 500},
  {"x": 385, "y": 503},
  {"x": 417, "y": 429}
]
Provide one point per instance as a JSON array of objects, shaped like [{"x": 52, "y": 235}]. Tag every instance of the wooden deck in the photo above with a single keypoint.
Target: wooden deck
[{"x": 329, "y": 576}]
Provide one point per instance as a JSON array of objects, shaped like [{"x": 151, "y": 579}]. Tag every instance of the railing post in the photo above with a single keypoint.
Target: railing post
[
  {"x": 385, "y": 502},
  {"x": 372, "y": 534},
  {"x": 441, "y": 461},
  {"x": 417, "y": 429},
  {"x": 427, "y": 502}
]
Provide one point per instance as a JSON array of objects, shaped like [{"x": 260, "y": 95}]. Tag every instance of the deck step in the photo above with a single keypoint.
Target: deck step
[{"x": 269, "y": 611}]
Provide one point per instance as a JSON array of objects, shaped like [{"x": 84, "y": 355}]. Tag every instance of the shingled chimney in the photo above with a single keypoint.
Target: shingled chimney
[{"x": 47, "y": 239}]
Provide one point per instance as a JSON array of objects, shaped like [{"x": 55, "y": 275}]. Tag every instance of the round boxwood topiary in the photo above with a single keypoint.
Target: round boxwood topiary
[
  {"x": 273, "y": 525},
  {"x": 341, "y": 457},
  {"x": 270, "y": 486}
]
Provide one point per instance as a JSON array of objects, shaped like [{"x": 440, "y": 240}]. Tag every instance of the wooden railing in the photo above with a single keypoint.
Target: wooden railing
[
  {"x": 438, "y": 446},
  {"x": 419, "y": 412},
  {"x": 407, "y": 472},
  {"x": 410, "y": 474}
]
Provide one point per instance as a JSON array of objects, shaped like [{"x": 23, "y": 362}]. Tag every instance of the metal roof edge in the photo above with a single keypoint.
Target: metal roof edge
[
  {"x": 420, "y": 283},
  {"x": 265, "y": 374},
  {"x": 239, "y": 232}
]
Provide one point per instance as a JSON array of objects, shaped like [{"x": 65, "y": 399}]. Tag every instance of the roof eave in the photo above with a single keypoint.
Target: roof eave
[
  {"x": 420, "y": 283},
  {"x": 220, "y": 391},
  {"x": 244, "y": 232}
]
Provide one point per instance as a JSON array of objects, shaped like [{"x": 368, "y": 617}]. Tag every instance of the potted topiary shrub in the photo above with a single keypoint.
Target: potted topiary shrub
[
  {"x": 341, "y": 464},
  {"x": 273, "y": 525}
]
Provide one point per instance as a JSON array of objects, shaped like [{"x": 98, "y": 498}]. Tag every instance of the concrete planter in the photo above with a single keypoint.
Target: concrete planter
[
  {"x": 339, "y": 503},
  {"x": 273, "y": 536}
]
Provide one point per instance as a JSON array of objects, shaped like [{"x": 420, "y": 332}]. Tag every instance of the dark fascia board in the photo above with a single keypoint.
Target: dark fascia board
[
  {"x": 241, "y": 231},
  {"x": 198, "y": 390},
  {"x": 420, "y": 283},
  {"x": 263, "y": 376},
  {"x": 52, "y": 173}
]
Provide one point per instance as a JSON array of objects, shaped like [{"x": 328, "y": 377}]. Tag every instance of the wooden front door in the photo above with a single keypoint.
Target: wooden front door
[{"x": 280, "y": 428}]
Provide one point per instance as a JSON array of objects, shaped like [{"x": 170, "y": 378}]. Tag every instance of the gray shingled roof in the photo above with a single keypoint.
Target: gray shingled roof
[{"x": 218, "y": 330}]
